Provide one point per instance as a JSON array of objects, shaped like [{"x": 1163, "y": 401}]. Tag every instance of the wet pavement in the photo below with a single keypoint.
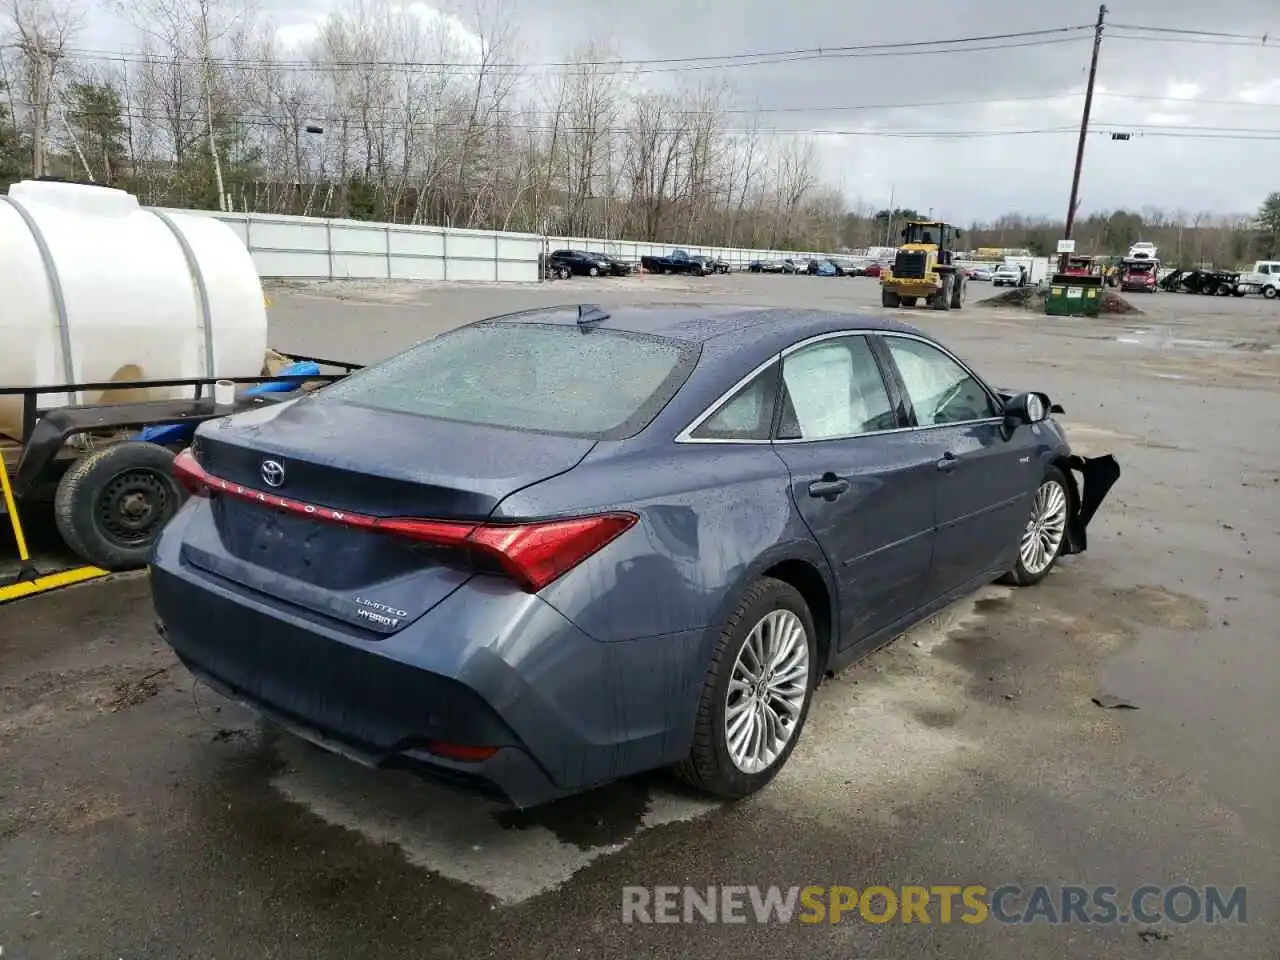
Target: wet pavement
[{"x": 143, "y": 817}]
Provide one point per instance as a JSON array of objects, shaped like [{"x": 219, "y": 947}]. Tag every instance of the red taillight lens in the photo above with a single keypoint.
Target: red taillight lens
[
  {"x": 460, "y": 751},
  {"x": 189, "y": 474},
  {"x": 533, "y": 554}
]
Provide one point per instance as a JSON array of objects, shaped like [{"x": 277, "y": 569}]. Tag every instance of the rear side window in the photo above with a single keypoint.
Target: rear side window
[
  {"x": 747, "y": 415},
  {"x": 545, "y": 378}
]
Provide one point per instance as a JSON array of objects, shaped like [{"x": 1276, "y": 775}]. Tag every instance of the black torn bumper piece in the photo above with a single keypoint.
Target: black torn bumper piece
[{"x": 1097, "y": 476}]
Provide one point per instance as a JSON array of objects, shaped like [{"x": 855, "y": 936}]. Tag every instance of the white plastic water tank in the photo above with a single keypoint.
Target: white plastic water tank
[{"x": 95, "y": 288}]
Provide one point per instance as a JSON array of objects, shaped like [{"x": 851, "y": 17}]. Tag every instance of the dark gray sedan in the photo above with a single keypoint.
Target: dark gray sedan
[{"x": 555, "y": 548}]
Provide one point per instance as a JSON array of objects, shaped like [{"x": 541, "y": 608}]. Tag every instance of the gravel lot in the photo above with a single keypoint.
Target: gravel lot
[{"x": 143, "y": 818}]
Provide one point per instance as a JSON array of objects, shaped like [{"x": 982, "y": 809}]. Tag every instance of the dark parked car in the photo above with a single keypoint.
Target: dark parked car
[
  {"x": 617, "y": 268},
  {"x": 823, "y": 268},
  {"x": 583, "y": 263},
  {"x": 765, "y": 266},
  {"x": 547, "y": 550},
  {"x": 678, "y": 262}
]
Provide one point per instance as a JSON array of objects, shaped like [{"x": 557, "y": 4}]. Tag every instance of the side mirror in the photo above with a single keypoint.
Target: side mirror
[
  {"x": 1026, "y": 408},
  {"x": 959, "y": 234}
]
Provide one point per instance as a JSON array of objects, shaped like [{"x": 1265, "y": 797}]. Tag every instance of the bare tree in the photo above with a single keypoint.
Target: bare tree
[
  {"x": 588, "y": 94},
  {"x": 44, "y": 29}
]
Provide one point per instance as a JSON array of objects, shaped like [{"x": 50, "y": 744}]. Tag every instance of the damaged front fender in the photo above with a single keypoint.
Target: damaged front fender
[{"x": 1098, "y": 475}]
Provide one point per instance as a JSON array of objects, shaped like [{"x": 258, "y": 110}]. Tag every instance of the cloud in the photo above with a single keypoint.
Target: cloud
[{"x": 972, "y": 134}]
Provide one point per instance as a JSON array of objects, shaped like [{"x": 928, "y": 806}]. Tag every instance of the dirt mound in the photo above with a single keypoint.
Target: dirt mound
[
  {"x": 1028, "y": 298},
  {"x": 1114, "y": 303},
  {"x": 1032, "y": 298}
]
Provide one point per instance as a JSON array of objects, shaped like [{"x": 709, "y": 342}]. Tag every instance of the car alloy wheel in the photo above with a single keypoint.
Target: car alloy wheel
[
  {"x": 756, "y": 695},
  {"x": 767, "y": 691},
  {"x": 1042, "y": 539}
]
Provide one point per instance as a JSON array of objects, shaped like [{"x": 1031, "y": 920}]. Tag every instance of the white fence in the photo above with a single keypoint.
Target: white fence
[{"x": 311, "y": 248}]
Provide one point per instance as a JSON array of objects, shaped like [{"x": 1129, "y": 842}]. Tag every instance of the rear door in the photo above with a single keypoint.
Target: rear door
[
  {"x": 984, "y": 481},
  {"x": 862, "y": 486}
]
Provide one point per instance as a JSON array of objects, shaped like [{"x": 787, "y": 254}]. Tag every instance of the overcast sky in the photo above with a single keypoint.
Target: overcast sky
[{"x": 1169, "y": 163}]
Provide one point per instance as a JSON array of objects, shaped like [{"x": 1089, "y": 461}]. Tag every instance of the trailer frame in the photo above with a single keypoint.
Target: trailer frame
[{"x": 46, "y": 448}]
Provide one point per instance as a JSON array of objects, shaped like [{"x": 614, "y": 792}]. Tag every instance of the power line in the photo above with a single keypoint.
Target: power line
[
  {"x": 1099, "y": 127},
  {"x": 497, "y": 70},
  {"x": 1179, "y": 31},
  {"x": 400, "y": 126},
  {"x": 1190, "y": 100},
  {"x": 1256, "y": 43},
  {"x": 317, "y": 109},
  {"x": 668, "y": 60}
]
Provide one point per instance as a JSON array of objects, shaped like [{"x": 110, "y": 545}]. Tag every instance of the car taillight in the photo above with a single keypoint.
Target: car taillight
[
  {"x": 189, "y": 474},
  {"x": 533, "y": 553}
]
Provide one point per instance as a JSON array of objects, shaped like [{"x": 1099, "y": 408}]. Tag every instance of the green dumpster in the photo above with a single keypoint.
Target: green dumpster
[{"x": 1073, "y": 296}]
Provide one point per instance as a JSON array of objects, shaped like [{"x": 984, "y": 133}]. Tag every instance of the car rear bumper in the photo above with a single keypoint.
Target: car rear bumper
[
  {"x": 510, "y": 776},
  {"x": 487, "y": 667}
]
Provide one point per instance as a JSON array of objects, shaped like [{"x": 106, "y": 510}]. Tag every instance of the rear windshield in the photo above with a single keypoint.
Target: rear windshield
[{"x": 524, "y": 376}]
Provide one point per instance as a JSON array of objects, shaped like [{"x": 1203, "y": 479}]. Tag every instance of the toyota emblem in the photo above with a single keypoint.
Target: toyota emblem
[{"x": 272, "y": 473}]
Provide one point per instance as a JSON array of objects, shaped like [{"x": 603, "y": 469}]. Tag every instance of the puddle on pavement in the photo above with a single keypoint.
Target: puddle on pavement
[
  {"x": 511, "y": 856},
  {"x": 1161, "y": 338},
  {"x": 941, "y": 697},
  {"x": 1074, "y": 622}
]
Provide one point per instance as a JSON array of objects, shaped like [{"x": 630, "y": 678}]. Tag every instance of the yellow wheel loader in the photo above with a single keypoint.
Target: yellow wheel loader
[{"x": 925, "y": 269}]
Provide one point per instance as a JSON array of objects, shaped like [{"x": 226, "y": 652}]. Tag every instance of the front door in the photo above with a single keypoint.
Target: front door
[
  {"x": 863, "y": 487},
  {"x": 985, "y": 482}
]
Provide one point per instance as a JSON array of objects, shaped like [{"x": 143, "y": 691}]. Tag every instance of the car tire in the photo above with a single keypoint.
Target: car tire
[
  {"x": 1270, "y": 292},
  {"x": 715, "y": 766},
  {"x": 111, "y": 504},
  {"x": 1051, "y": 508},
  {"x": 593, "y": 272}
]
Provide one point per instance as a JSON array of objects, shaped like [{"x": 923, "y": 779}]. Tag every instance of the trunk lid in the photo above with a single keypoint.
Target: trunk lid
[{"x": 341, "y": 458}]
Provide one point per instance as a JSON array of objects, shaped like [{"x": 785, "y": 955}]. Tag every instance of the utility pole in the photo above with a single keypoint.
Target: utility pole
[
  {"x": 888, "y": 225},
  {"x": 41, "y": 111},
  {"x": 1084, "y": 132}
]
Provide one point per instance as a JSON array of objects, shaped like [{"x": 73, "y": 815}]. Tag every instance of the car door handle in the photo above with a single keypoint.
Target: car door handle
[
  {"x": 829, "y": 487},
  {"x": 948, "y": 462}
]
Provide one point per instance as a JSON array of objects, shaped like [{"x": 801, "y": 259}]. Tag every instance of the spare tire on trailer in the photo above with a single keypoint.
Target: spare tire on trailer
[{"x": 112, "y": 503}]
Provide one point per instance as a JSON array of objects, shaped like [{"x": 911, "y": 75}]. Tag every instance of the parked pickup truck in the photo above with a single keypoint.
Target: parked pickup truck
[{"x": 678, "y": 262}]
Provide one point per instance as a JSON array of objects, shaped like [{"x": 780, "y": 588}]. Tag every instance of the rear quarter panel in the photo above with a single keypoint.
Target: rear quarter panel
[{"x": 712, "y": 517}]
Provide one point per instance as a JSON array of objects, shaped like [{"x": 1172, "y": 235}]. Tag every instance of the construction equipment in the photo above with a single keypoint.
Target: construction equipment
[
  {"x": 1083, "y": 266},
  {"x": 924, "y": 268}
]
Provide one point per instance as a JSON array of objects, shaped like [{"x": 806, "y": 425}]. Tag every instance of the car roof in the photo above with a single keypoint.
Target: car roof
[{"x": 769, "y": 328}]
